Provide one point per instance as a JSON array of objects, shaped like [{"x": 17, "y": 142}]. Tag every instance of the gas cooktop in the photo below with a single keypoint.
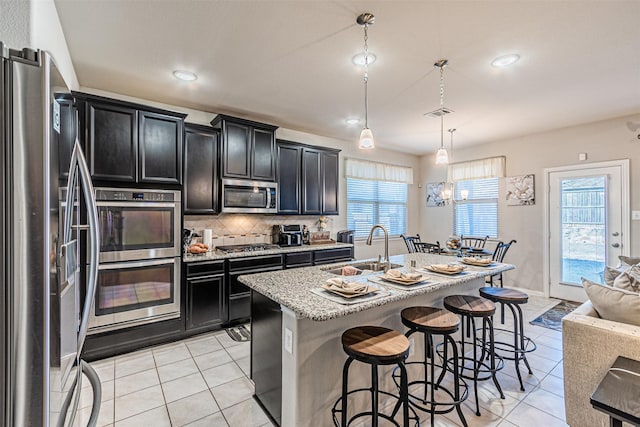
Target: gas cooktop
[{"x": 252, "y": 247}]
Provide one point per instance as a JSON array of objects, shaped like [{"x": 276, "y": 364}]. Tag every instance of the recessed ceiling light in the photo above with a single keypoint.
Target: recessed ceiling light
[
  {"x": 505, "y": 60},
  {"x": 359, "y": 58},
  {"x": 185, "y": 76},
  {"x": 352, "y": 121}
]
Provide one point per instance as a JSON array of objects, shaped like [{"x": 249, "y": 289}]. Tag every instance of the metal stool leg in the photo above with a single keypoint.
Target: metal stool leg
[
  {"x": 492, "y": 351},
  {"x": 476, "y": 365},
  {"x": 524, "y": 357},
  {"x": 518, "y": 344},
  {"x": 404, "y": 393},
  {"x": 456, "y": 377},
  {"x": 345, "y": 388},
  {"x": 374, "y": 395}
]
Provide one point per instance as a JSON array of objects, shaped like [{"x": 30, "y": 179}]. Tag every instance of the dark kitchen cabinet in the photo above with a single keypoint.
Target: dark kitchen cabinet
[
  {"x": 160, "y": 147},
  {"x": 128, "y": 142},
  {"x": 289, "y": 176},
  {"x": 200, "y": 170},
  {"x": 329, "y": 182},
  {"x": 307, "y": 179},
  {"x": 112, "y": 141},
  {"x": 205, "y": 305},
  {"x": 239, "y": 300},
  {"x": 248, "y": 149},
  {"x": 330, "y": 256},
  {"x": 66, "y": 137},
  {"x": 311, "y": 182}
]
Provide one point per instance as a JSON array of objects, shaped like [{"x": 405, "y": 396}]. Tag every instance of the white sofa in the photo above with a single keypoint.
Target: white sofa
[{"x": 590, "y": 346}]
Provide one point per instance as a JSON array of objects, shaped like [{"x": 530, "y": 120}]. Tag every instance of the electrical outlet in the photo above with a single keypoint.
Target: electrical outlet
[
  {"x": 288, "y": 340},
  {"x": 635, "y": 215},
  {"x": 412, "y": 347}
]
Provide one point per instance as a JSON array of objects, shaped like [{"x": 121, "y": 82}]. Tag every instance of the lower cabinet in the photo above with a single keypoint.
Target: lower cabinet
[
  {"x": 205, "y": 306},
  {"x": 215, "y": 297},
  {"x": 239, "y": 309},
  {"x": 330, "y": 256}
]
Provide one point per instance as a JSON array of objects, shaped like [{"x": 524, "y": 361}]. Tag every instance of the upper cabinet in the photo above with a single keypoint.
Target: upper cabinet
[
  {"x": 248, "y": 149},
  {"x": 200, "y": 170},
  {"x": 68, "y": 130},
  {"x": 132, "y": 143},
  {"x": 307, "y": 179},
  {"x": 160, "y": 147},
  {"x": 288, "y": 166}
]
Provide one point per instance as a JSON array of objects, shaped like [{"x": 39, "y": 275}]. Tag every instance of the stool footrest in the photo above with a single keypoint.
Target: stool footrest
[{"x": 337, "y": 409}]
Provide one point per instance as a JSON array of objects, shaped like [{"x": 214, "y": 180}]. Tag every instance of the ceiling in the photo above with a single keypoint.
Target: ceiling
[{"x": 289, "y": 63}]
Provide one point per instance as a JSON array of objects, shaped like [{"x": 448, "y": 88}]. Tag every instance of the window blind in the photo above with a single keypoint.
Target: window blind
[
  {"x": 478, "y": 215},
  {"x": 376, "y": 202}
]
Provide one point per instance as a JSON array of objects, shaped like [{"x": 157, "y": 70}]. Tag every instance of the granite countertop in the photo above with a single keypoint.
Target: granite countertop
[
  {"x": 215, "y": 255},
  {"x": 292, "y": 288}
]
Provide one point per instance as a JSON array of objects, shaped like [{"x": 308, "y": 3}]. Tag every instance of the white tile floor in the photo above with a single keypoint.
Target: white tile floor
[{"x": 203, "y": 381}]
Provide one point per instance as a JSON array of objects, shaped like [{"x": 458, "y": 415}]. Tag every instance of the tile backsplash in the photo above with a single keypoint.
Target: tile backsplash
[{"x": 236, "y": 229}]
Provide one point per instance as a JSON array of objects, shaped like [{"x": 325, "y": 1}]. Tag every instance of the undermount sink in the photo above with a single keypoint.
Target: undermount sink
[{"x": 364, "y": 267}]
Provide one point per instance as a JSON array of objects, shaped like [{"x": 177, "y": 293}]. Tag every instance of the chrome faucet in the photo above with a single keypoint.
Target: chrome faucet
[{"x": 387, "y": 263}]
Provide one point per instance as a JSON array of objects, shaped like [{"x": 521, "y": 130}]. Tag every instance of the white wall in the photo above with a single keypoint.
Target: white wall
[
  {"x": 15, "y": 23},
  {"x": 35, "y": 24},
  {"x": 604, "y": 140},
  {"x": 349, "y": 149}
]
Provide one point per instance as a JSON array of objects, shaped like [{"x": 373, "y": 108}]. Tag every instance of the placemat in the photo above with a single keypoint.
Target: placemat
[{"x": 338, "y": 299}]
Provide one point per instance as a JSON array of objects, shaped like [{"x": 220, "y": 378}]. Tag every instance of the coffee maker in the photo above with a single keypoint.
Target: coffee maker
[{"x": 287, "y": 235}]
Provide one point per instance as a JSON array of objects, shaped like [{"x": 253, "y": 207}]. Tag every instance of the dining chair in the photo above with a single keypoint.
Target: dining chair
[
  {"x": 427, "y": 248},
  {"x": 473, "y": 242},
  {"x": 409, "y": 241},
  {"x": 498, "y": 256}
]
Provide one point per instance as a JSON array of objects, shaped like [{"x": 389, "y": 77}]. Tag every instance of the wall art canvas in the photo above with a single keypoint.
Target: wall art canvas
[
  {"x": 520, "y": 190},
  {"x": 434, "y": 194}
]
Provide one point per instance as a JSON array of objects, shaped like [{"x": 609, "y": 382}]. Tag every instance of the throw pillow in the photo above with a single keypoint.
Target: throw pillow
[
  {"x": 628, "y": 260},
  {"x": 615, "y": 304},
  {"x": 628, "y": 280},
  {"x": 610, "y": 275}
]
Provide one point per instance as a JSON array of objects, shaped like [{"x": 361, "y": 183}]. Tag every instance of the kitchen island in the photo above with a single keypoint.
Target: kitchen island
[{"x": 296, "y": 353}]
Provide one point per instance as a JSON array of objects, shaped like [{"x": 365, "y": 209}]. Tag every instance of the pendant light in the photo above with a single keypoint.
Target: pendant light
[
  {"x": 366, "y": 136},
  {"x": 442, "y": 158},
  {"x": 448, "y": 191}
]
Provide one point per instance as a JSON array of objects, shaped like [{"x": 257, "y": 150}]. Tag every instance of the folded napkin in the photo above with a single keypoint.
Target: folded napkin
[
  {"x": 447, "y": 268},
  {"x": 477, "y": 261},
  {"x": 349, "y": 270},
  {"x": 397, "y": 274},
  {"x": 340, "y": 285}
]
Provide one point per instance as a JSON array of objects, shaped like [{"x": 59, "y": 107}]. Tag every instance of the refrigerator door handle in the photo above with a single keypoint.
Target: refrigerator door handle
[
  {"x": 94, "y": 241},
  {"x": 79, "y": 169}
]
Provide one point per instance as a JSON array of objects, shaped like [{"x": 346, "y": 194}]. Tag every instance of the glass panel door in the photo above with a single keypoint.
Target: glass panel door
[
  {"x": 583, "y": 228},
  {"x": 587, "y": 225}
]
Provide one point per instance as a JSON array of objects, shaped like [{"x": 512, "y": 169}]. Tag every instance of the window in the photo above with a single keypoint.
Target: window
[
  {"x": 376, "y": 202},
  {"x": 478, "y": 215}
]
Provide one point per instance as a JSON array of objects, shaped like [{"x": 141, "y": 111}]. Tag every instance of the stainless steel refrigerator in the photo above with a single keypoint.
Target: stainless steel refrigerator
[{"x": 43, "y": 322}]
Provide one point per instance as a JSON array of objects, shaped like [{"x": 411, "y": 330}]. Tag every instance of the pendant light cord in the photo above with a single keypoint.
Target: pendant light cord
[
  {"x": 366, "y": 77},
  {"x": 441, "y": 106}
]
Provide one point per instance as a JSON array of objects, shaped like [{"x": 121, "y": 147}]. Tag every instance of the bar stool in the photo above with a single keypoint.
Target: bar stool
[
  {"x": 470, "y": 308},
  {"x": 521, "y": 343},
  {"x": 374, "y": 345},
  {"x": 432, "y": 321}
]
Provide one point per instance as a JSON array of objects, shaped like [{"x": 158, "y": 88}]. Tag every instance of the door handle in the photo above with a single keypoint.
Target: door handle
[
  {"x": 615, "y": 245},
  {"x": 615, "y": 234}
]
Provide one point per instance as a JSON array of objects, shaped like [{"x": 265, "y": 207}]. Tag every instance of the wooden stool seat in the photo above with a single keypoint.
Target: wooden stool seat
[
  {"x": 375, "y": 343},
  {"x": 430, "y": 319},
  {"x": 504, "y": 295},
  {"x": 469, "y": 305}
]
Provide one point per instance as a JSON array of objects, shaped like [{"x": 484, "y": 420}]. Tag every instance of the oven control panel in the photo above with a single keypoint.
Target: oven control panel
[{"x": 132, "y": 195}]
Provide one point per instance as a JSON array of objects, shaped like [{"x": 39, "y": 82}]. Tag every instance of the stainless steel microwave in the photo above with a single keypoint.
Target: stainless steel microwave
[{"x": 243, "y": 196}]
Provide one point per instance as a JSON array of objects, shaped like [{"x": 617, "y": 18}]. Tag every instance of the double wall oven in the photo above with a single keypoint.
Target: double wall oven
[{"x": 140, "y": 258}]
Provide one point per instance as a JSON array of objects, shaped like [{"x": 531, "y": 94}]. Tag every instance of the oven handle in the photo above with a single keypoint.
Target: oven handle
[
  {"x": 171, "y": 205},
  {"x": 136, "y": 264},
  {"x": 268, "y": 198}
]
